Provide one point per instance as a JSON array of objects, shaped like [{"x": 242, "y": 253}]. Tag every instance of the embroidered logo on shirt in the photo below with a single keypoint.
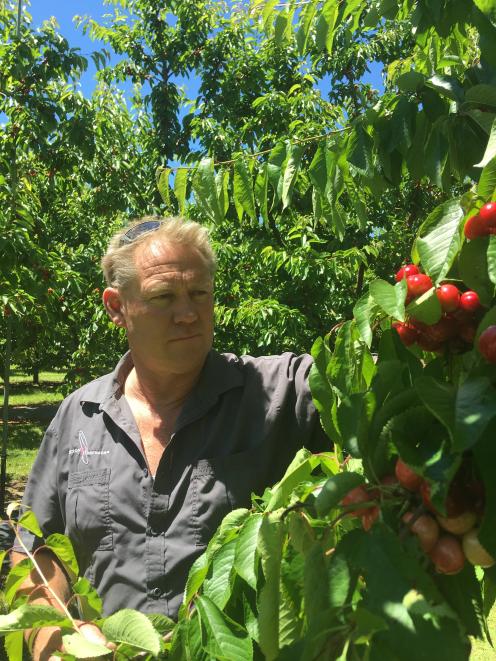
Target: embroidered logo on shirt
[{"x": 83, "y": 450}]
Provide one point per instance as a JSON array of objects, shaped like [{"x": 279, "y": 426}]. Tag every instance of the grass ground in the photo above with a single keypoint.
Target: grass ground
[{"x": 25, "y": 437}]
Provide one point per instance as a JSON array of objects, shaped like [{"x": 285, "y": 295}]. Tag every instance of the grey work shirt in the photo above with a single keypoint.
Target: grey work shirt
[{"x": 135, "y": 536}]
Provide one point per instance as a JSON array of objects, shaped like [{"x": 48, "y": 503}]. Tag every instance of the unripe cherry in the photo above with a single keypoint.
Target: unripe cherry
[
  {"x": 475, "y": 553},
  {"x": 355, "y": 497}
]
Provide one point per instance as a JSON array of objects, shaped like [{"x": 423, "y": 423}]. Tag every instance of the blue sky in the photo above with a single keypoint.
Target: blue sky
[{"x": 64, "y": 12}]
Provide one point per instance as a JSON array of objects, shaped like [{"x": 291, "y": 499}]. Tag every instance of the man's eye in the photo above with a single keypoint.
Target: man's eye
[
  {"x": 164, "y": 296},
  {"x": 200, "y": 292}
]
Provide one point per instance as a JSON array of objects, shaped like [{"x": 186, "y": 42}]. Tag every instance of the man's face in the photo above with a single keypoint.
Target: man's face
[{"x": 168, "y": 310}]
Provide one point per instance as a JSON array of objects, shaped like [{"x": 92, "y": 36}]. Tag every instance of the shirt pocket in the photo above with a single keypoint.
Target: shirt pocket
[
  {"x": 220, "y": 485},
  {"x": 88, "y": 510}
]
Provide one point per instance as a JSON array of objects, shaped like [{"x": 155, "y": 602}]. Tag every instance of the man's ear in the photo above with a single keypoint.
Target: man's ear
[{"x": 113, "y": 304}]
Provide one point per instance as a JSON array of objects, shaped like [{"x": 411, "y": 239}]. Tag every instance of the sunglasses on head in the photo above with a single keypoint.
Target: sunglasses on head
[{"x": 138, "y": 230}]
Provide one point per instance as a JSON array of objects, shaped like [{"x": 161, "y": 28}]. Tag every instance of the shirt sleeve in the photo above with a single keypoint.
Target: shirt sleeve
[{"x": 42, "y": 495}]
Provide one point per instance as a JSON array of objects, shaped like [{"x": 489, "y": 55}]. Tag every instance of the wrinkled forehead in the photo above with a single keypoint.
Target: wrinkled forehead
[{"x": 163, "y": 257}]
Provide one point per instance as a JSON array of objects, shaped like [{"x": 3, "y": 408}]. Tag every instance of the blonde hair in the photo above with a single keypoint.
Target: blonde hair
[{"x": 118, "y": 264}]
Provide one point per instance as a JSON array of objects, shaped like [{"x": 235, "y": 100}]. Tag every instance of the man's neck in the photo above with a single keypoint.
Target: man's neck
[{"x": 159, "y": 390}]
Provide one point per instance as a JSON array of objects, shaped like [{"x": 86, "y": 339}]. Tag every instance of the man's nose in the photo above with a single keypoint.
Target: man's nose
[{"x": 185, "y": 312}]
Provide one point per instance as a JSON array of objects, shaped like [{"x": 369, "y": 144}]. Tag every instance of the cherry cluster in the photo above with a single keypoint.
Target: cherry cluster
[
  {"x": 483, "y": 223},
  {"x": 462, "y": 312},
  {"x": 448, "y": 539}
]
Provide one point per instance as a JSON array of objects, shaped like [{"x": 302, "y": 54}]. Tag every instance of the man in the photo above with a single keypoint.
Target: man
[{"x": 140, "y": 466}]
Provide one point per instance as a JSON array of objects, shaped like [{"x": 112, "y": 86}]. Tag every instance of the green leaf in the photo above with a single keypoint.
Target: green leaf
[
  {"x": 77, "y": 644},
  {"x": 482, "y": 95},
  {"x": 28, "y": 616},
  {"x": 15, "y": 578},
  {"x": 274, "y": 167},
  {"x": 490, "y": 152},
  {"x": 439, "y": 241},
  {"x": 351, "y": 366},
  {"x": 133, "y": 628},
  {"x": 411, "y": 81},
  {"x": 426, "y": 308},
  {"x": 365, "y": 312},
  {"x": 360, "y": 150},
  {"x": 307, "y": 16},
  {"x": 163, "y": 184},
  {"x": 390, "y": 298},
  {"x": 246, "y": 559},
  {"x": 261, "y": 191},
  {"x": 485, "y": 458},
  {"x": 334, "y": 491},
  {"x": 317, "y": 170},
  {"x": 487, "y": 181},
  {"x": 180, "y": 186},
  {"x": 473, "y": 268},
  {"x": 196, "y": 576},
  {"x": 222, "y": 638},
  {"x": 243, "y": 188},
  {"x": 446, "y": 86},
  {"x": 463, "y": 594},
  {"x": 222, "y": 186},
  {"x": 315, "y": 589},
  {"x": 464, "y": 411},
  {"x": 330, "y": 12},
  {"x": 290, "y": 624},
  {"x": 290, "y": 173},
  {"x": 14, "y": 645},
  {"x": 299, "y": 469},
  {"x": 488, "y": 8},
  {"x": 491, "y": 259},
  {"x": 435, "y": 155},
  {"x": 322, "y": 393},
  {"x": 28, "y": 520},
  {"x": 89, "y": 601},
  {"x": 205, "y": 189},
  {"x": 61, "y": 545},
  {"x": 161, "y": 623},
  {"x": 218, "y": 587},
  {"x": 270, "y": 541}
]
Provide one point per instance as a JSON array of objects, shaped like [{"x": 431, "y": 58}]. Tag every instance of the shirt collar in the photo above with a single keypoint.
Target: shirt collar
[{"x": 220, "y": 373}]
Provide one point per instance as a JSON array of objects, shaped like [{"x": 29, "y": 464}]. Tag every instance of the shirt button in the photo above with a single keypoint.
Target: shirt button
[
  {"x": 153, "y": 531},
  {"x": 156, "y": 593}
]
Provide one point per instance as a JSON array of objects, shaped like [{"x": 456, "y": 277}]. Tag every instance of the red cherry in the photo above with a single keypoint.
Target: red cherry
[
  {"x": 405, "y": 271},
  {"x": 418, "y": 284},
  {"x": 408, "y": 333},
  {"x": 407, "y": 477},
  {"x": 354, "y": 497},
  {"x": 474, "y": 227},
  {"x": 487, "y": 344},
  {"x": 447, "y": 555},
  {"x": 488, "y": 214},
  {"x": 469, "y": 301},
  {"x": 449, "y": 297}
]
